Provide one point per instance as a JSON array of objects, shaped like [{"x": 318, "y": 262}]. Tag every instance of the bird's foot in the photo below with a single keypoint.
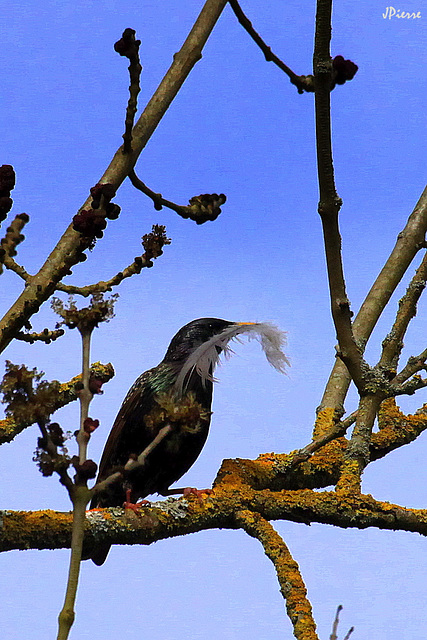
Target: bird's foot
[{"x": 134, "y": 506}]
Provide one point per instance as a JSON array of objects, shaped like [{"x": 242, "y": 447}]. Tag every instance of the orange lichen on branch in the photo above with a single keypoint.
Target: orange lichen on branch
[
  {"x": 325, "y": 421},
  {"x": 395, "y": 428},
  {"x": 171, "y": 518},
  {"x": 329, "y": 458},
  {"x": 256, "y": 473},
  {"x": 47, "y": 529},
  {"x": 291, "y": 583},
  {"x": 350, "y": 480}
]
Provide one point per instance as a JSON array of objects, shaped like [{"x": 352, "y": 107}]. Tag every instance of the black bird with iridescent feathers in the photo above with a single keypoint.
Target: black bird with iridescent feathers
[{"x": 177, "y": 394}]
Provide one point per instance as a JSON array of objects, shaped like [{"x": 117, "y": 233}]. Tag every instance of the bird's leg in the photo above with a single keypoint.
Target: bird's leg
[
  {"x": 132, "y": 505},
  {"x": 133, "y": 463}
]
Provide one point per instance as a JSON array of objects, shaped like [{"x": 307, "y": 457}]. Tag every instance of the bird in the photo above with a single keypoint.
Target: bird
[{"x": 164, "y": 420}]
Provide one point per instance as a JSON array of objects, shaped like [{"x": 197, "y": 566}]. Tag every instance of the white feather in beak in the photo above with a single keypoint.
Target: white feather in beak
[{"x": 205, "y": 358}]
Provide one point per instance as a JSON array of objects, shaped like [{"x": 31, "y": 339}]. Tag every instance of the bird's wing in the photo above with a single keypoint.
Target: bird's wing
[{"x": 129, "y": 426}]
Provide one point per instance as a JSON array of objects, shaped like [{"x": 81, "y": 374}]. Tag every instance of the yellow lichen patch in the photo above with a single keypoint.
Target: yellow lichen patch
[
  {"x": 324, "y": 422},
  {"x": 291, "y": 583},
  {"x": 389, "y": 413},
  {"x": 8, "y": 429},
  {"x": 240, "y": 471},
  {"x": 349, "y": 482},
  {"x": 396, "y": 428},
  {"x": 48, "y": 526},
  {"x": 267, "y": 457},
  {"x": 330, "y": 456}
]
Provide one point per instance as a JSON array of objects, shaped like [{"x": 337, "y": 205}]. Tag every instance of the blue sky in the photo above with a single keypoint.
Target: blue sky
[{"x": 240, "y": 128}]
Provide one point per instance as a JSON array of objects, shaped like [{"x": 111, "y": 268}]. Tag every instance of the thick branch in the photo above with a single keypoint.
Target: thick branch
[
  {"x": 407, "y": 245},
  {"x": 329, "y": 202},
  {"x": 71, "y": 245},
  {"x": 290, "y": 579},
  {"x": 171, "y": 518}
]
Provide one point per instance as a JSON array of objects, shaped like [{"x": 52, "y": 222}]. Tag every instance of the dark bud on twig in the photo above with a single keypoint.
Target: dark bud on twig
[
  {"x": 5, "y": 206},
  {"x": 343, "y": 70},
  {"x": 127, "y": 45},
  {"x": 205, "y": 207},
  {"x": 89, "y": 223},
  {"x": 95, "y": 385},
  {"x": 13, "y": 235},
  {"x": 85, "y": 471},
  {"x": 112, "y": 211},
  {"x": 7, "y": 179},
  {"x": 46, "y": 455},
  {"x": 7, "y": 183},
  {"x": 90, "y": 425},
  {"x": 106, "y": 190},
  {"x": 56, "y": 434}
]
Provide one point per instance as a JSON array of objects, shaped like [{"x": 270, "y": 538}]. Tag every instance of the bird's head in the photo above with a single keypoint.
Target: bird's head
[
  {"x": 193, "y": 335},
  {"x": 198, "y": 345}
]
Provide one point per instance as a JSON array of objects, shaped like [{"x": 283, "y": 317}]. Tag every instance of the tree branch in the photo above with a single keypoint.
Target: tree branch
[
  {"x": 70, "y": 247},
  {"x": 329, "y": 202},
  {"x": 292, "y": 586},
  {"x": 172, "y": 517},
  {"x": 200, "y": 209},
  {"x": 409, "y": 241},
  {"x": 302, "y": 83},
  {"x": 393, "y": 342},
  {"x": 68, "y": 392}
]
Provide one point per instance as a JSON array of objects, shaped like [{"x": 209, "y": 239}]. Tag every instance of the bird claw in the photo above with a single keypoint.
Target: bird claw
[{"x": 134, "y": 506}]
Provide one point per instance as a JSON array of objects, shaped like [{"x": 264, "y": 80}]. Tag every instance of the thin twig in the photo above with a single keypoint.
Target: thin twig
[
  {"x": 106, "y": 285},
  {"x": 85, "y": 395},
  {"x": 44, "y": 336},
  {"x": 10, "y": 241},
  {"x": 304, "y": 454},
  {"x": 334, "y": 635},
  {"x": 302, "y": 83},
  {"x": 81, "y": 497},
  {"x": 12, "y": 265},
  {"x": 157, "y": 198},
  {"x": 393, "y": 343},
  {"x": 142, "y": 457},
  {"x": 414, "y": 364},
  {"x": 132, "y": 463},
  {"x": 201, "y": 208},
  {"x": 128, "y": 46}
]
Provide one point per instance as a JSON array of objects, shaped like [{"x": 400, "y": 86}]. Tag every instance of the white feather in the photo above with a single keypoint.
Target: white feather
[{"x": 205, "y": 358}]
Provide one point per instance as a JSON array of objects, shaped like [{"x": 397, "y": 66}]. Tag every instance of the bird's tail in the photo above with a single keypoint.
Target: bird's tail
[{"x": 98, "y": 555}]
